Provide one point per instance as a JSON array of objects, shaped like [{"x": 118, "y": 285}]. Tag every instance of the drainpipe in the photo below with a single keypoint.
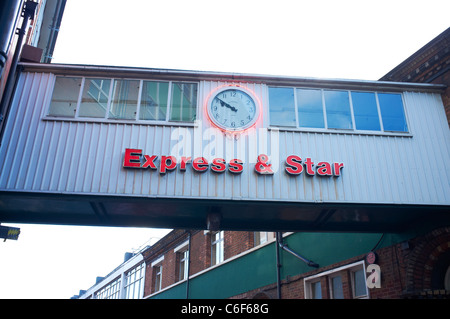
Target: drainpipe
[
  {"x": 278, "y": 236},
  {"x": 308, "y": 262},
  {"x": 280, "y": 244},
  {"x": 28, "y": 11},
  {"x": 9, "y": 10}
]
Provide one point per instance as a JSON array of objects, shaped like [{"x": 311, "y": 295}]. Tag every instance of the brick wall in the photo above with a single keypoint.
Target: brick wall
[
  {"x": 406, "y": 272},
  {"x": 235, "y": 242}
]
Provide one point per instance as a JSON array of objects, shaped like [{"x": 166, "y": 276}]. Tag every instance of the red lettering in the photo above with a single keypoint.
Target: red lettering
[
  {"x": 337, "y": 168},
  {"x": 200, "y": 164},
  {"x": 167, "y": 163},
  {"x": 150, "y": 161},
  {"x": 235, "y": 166},
  {"x": 184, "y": 161},
  {"x": 324, "y": 169},
  {"x": 218, "y": 165},
  {"x": 309, "y": 166},
  {"x": 262, "y": 166},
  {"x": 132, "y": 157},
  {"x": 294, "y": 165}
]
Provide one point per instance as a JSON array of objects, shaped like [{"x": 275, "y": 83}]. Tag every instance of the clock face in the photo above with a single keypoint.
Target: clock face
[{"x": 233, "y": 109}]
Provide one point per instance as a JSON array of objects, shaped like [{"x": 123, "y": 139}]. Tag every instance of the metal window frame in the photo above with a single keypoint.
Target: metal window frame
[{"x": 352, "y": 130}]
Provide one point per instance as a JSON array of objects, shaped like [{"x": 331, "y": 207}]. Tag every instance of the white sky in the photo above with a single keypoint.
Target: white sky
[{"x": 323, "y": 39}]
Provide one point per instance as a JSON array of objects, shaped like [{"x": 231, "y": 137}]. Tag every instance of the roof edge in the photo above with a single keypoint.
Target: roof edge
[{"x": 189, "y": 75}]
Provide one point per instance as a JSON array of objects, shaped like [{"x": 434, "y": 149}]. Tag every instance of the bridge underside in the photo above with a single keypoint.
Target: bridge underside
[{"x": 122, "y": 211}]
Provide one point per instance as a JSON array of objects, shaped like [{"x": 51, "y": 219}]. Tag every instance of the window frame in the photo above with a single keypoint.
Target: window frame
[
  {"x": 110, "y": 291},
  {"x": 131, "y": 279},
  {"x": 182, "y": 260},
  {"x": 217, "y": 243},
  {"x": 106, "y": 119},
  {"x": 312, "y": 287},
  {"x": 157, "y": 271},
  {"x": 330, "y": 278},
  {"x": 329, "y": 274},
  {"x": 260, "y": 238},
  {"x": 353, "y": 130}
]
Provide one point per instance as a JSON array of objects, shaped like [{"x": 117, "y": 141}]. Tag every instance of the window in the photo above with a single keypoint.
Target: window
[
  {"x": 157, "y": 270},
  {"x": 94, "y": 99},
  {"x": 316, "y": 290},
  {"x": 310, "y": 108},
  {"x": 337, "y": 291},
  {"x": 366, "y": 111},
  {"x": 391, "y": 107},
  {"x": 336, "y": 110},
  {"x": 182, "y": 260},
  {"x": 154, "y": 101},
  {"x": 134, "y": 282},
  {"x": 184, "y": 101},
  {"x": 65, "y": 97},
  {"x": 346, "y": 282},
  {"x": 337, "y": 106},
  {"x": 111, "y": 291},
  {"x": 359, "y": 288},
  {"x": 183, "y": 265},
  {"x": 262, "y": 237},
  {"x": 157, "y": 273},
  {"x": 217, "y": 251},
  {"x": 282, "y": 107},
  {"x": 123, "y": 99}
]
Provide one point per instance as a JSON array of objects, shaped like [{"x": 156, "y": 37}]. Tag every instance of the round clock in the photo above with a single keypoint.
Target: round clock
[{"x": 233, "y": 109}]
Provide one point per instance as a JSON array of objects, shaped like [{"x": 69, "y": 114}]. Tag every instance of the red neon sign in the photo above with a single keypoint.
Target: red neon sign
[{"x": 134, "y": 158}]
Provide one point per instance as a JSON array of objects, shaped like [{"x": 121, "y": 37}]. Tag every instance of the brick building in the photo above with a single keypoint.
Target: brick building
[
  {"x": 411, "y": 266},
  {"x": 430, "y": 64}
]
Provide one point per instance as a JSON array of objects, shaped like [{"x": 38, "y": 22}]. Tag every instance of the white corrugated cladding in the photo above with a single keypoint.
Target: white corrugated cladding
[{"x": 56, "y": 156}]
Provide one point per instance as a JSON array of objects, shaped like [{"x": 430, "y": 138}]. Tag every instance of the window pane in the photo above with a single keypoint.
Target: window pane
[
  {"x": 158, "y": 271},
  {"x": 365, "y": 111},
  {"x": 310, "y": 108},
  {"x": 338, "y": 110},
  {"x": 282, "y": 108},
  {"x": 184, "y": 102},
  {"x": 338, "y": 292},
  {"x": 154, "y": 101},
  {"x": 65, "y": 97},
  {"x": 124, "y": 102},
  {"x": 316, "y": 290},
  {"x": 260, "y": 238},
  {"x": 94, "y": 100},
  {"x": 217, "y": 251},
  {"x": 392, "y": 114},
  {"x": 360, "y": 283},
  {"x": 183, "y": 265}
]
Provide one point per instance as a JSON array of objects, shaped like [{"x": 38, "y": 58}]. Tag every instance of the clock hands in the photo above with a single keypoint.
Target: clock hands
[{"x": 222, "y": 103}]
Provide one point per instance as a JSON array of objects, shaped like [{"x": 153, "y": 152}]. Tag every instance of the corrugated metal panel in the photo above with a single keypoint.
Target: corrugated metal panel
[{"x": 86, "y": 157}]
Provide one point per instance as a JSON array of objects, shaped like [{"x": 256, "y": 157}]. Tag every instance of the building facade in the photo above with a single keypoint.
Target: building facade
[
  {"x": 124, "y": 282},
  {"x": 413, "y": 263},
  {"x": 29, "y": 30},
  {"x": 243, "y": 265},
  {"x": 290, "y": 187}
]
